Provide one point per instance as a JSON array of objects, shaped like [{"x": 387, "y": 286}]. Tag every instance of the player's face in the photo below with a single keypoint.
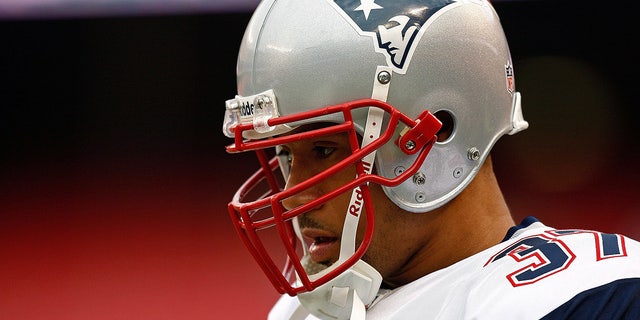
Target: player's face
[{"x": 322, "y": 227}]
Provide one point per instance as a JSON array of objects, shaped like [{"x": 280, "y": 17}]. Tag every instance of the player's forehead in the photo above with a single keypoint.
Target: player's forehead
[
  {"x": 310, "y": 127},
  {"x": 312, "y": 135}
]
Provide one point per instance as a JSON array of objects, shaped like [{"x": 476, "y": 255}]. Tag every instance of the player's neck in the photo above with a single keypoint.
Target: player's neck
[{"x": 472, "y": 222}]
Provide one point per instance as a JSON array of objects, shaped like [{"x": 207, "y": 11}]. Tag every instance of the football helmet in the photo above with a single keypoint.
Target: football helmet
[{"x": 390, "y": 74}]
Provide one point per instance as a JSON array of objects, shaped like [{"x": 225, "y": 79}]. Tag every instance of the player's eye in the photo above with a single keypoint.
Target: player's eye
[
  {"x": 284, "y": 156},
  {"x": 323, "y": 152}
]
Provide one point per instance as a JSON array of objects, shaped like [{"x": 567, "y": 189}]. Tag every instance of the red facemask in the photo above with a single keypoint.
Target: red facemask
[{"x": 257, "y": 209}]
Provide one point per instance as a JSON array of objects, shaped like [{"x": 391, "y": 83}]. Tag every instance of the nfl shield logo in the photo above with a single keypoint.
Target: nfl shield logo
[{"x": 508, "y": 71}]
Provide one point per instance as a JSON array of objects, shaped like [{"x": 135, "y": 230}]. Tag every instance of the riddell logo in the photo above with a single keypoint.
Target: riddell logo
[
  {"x": 356, "y": 202},
  {"x": 356, "y": 207},
  {"x": 396, "y": 25},
  {"x": 246, "y": 109}
]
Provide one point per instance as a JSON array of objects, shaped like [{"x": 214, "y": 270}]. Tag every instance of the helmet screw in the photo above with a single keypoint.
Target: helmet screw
[
  {"x": 261, "y": 101},
  {"x": 420, "y": 197},
  {"x": 384, "y": 77},
  {"x": 419, "y": 178},
  {"x": 457, "y": 172},
  {"x": 398, "y": 170},
  {"x": 473, "y": 154},
  {"x": 410, "y": 145}
]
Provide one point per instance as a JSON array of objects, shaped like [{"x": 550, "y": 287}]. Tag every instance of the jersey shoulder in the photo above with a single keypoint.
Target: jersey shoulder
[
  {"x": 542, "y": 270},
  {"x": 535, "y": 271}
]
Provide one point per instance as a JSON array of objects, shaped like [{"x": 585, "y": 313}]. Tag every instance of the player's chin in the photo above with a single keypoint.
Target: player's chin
[{"x": 313, "y": 267}]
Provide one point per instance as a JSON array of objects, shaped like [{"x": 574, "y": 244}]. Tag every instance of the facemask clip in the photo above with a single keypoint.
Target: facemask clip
[
  {"x": 412, "y": 140},
  {"x": 256, "y": 109}
]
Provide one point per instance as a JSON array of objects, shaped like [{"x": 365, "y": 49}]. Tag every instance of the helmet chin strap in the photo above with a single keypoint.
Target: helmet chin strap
[
  {"x": 371, "y": 133},
  {"x": 347, "y": 295}
]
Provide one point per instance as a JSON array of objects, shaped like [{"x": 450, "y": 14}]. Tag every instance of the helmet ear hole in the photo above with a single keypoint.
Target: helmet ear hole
[{"x": 446, "y": 131}]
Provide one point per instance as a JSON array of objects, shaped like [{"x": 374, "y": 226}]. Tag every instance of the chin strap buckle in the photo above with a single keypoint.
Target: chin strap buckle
[{"x": 412, "y": 140}]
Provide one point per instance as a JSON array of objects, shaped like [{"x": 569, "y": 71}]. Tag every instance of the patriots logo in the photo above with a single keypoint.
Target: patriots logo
[{"x": 396, "y": 25}]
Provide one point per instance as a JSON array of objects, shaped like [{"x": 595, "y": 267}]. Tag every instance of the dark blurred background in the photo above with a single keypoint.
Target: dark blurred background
[{"x": 114, "y": 180}]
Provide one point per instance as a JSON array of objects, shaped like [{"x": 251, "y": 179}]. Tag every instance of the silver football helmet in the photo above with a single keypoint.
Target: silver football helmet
[{"x": 413, "y": 66}]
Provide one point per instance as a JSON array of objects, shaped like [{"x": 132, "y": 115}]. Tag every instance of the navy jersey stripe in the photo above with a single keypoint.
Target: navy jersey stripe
[
  {"x": 525, "y": 223},
  {"x": 619, "y": 299}
]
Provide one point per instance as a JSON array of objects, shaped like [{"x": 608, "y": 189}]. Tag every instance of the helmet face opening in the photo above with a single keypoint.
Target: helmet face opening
[{"x": 265, "y": 223}]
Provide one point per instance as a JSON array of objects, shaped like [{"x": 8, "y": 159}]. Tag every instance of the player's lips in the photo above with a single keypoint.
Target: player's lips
[{"x": 324, "y": 246}]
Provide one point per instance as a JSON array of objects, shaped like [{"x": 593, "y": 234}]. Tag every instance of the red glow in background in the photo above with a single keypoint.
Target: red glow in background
[{"x": 114, "y": 180}]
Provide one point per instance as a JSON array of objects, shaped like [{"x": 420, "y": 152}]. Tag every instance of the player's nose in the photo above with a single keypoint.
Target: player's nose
[{"x": 297, "y": 175}]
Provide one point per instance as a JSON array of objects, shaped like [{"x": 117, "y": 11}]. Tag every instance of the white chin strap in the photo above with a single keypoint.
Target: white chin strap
[{"x": 348, "y": 295}]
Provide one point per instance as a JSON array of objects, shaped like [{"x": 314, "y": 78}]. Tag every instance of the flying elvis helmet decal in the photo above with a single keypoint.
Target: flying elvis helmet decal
[{"x": 396, "y": 25}]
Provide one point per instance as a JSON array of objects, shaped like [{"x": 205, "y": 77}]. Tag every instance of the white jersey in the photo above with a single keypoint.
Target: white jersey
[{"x": 537, "y": 272}]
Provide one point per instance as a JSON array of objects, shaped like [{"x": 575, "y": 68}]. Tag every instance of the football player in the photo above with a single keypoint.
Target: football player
[{"x": 373, "y": 121}]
